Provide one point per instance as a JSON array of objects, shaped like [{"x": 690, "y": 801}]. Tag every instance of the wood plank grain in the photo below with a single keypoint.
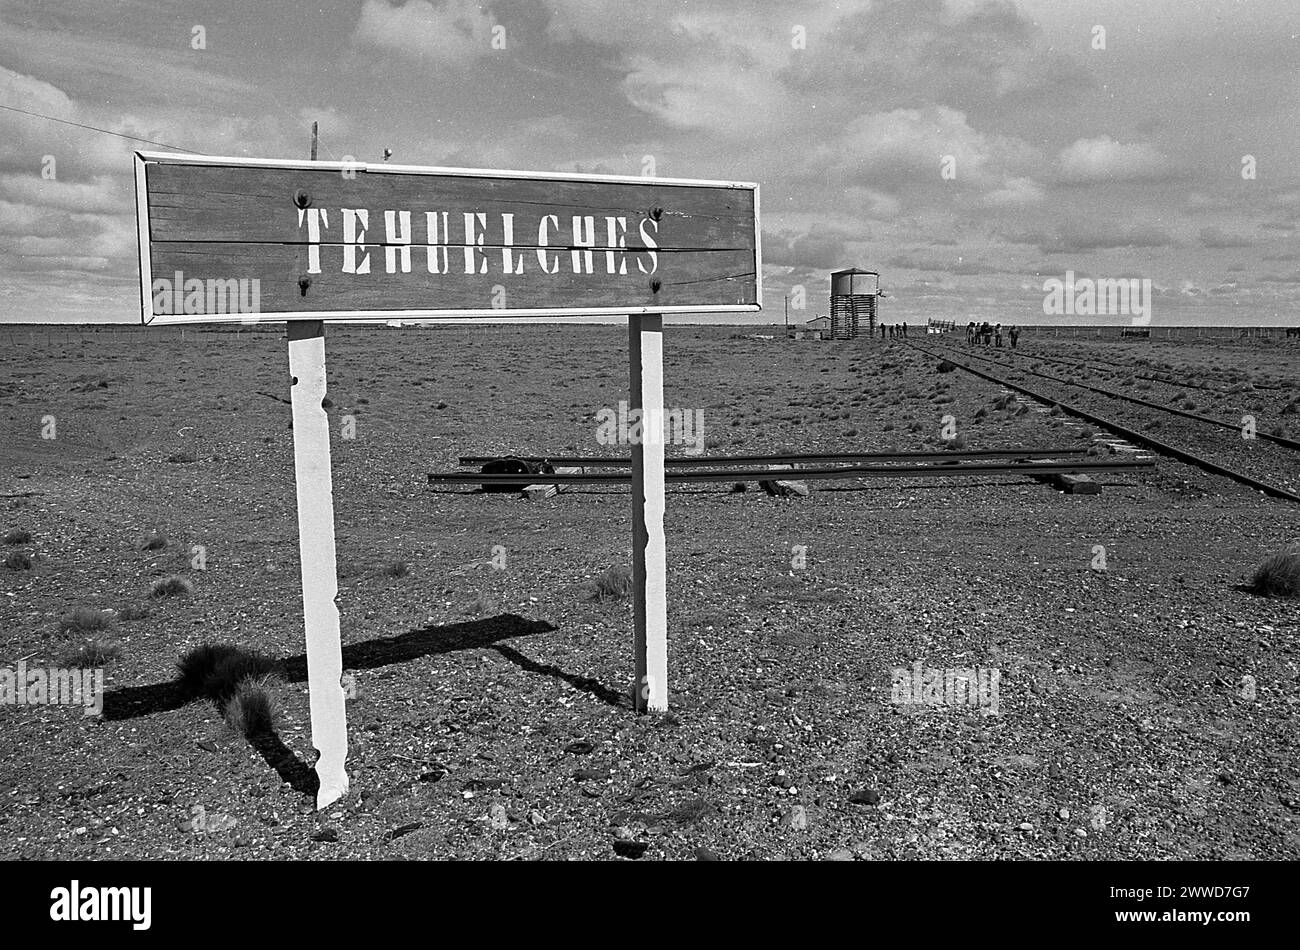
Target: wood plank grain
[
  {"x": 312, "y": 240},
  {"x": 200, "y": 203},
  {"x": 687, "y": 278}
]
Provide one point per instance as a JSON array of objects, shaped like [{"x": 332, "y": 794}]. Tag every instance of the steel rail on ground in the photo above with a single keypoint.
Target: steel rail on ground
[
  {"x": 695, "y": 460},
  {"x": 1277, "y": 439},
  {"x": 1133, "y": 435},
  {"x": 939, "y": 470}
]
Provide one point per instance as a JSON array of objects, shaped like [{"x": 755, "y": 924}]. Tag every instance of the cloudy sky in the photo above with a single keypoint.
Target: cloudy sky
[{"x": 966, "y": 149}]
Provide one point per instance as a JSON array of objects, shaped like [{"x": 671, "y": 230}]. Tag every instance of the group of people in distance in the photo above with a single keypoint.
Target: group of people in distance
[
  {"x": 898, "y": 330},
  {"x": 986, "y": 334}
]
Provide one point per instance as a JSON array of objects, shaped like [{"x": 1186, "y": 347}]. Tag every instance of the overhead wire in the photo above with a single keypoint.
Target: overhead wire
[{"x": 95, "y": 128}]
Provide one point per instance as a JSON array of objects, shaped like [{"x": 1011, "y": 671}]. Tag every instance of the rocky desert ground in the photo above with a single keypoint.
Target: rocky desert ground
[{"x": 1146, "y": 710}]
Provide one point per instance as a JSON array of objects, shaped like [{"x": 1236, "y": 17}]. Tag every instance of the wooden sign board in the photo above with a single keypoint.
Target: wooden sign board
[
  {"x": 236, "y": 239},
  {"x": 231, "y": 239}
]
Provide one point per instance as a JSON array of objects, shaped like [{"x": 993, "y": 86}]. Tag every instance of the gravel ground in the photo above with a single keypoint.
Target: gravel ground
[{"x": 1146, "y": 711}]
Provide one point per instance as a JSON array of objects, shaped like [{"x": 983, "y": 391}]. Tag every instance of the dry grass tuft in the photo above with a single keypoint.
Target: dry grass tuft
[
  {"x": 171, "y": 587},
  {"x": 97, "y": 651},
  {"x": 253, "y": 709},
  {"x": 215, "y": 670},
  {"x": 85, "y": 620},
  {"x": 614, "y": 584},
  {"x": 1279, "y": 574},
  {"x": 128, "y": 612}
]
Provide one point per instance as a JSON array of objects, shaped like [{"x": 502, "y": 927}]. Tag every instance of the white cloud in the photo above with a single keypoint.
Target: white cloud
[
  {"x": 17, "y": 218},
  {"x": 450, "y": 31},
  {"x": 105, "y": 194},
  {"x": 1104, "y": 159},
  {"x": 1216, "y": 238},
  {"x": 332, "y": 122},
  {"x": 716, "y": 93},
  {"x": 26, "y": 140},
  {"x": 909, "y": 147},
  {"x": 34, "y": 95},
  {"x": 74, "y": 236},
  {"x": 872, "y": 203},
  {"x": 1016, "y": 191}
]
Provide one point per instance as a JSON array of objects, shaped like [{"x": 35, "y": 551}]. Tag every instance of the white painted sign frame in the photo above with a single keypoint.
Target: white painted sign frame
[{"x": 148, "y": 317}]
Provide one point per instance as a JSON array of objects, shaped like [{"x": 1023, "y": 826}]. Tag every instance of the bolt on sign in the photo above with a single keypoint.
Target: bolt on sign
[
  {"x": 233, "y": 239},
  {"x": 238, "y": 239}
]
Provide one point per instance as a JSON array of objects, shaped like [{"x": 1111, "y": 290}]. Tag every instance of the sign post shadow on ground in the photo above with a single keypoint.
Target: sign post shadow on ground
[{"x": 255, "y": 240}]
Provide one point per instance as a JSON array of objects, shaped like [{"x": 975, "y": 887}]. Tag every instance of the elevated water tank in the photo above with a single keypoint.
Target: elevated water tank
[{"x": 853, "y": 302}]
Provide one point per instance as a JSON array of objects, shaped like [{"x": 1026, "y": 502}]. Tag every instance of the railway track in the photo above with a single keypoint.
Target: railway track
[
  {"x": 940, "y": 468},
  {"x": 1267, "y": 463},
  {"x": 1131, "y": 369},
  {"x": 697, "y": 461},
  {"x": 1136, "y": 370},
  {"x": 1208, "y": 420}
]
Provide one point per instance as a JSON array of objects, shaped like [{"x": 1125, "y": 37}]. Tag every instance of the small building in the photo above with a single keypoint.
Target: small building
[{"x": 818, "y": 328}]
